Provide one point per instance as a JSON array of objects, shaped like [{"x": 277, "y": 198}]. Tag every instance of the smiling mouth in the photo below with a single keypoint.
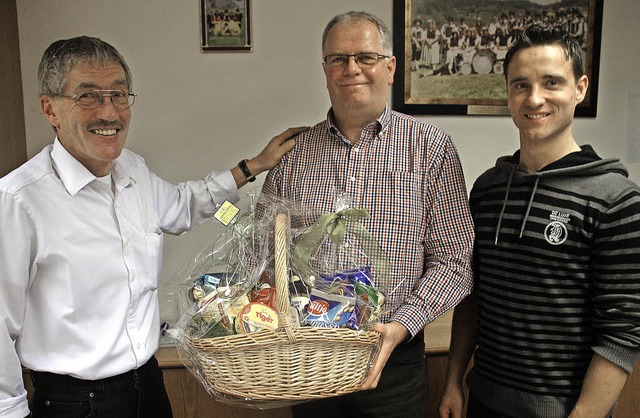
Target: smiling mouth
[
  {"x": 537, "y": 116},
  {"x": 105, "y": 132}
]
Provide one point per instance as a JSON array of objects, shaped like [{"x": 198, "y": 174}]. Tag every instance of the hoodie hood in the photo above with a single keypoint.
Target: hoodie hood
[{"x": 583, "y": 163}]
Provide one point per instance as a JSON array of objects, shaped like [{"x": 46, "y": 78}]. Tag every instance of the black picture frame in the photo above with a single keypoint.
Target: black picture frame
[
  {"x": 225, "y": 25},
  {"x": 476, "y": 92}
]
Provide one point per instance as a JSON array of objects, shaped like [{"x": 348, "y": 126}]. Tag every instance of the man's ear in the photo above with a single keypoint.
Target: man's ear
[
  {"x": 391, "y": 68},
  {"x": 581, "y": 88},
  {"x": 49, "y": 110}
]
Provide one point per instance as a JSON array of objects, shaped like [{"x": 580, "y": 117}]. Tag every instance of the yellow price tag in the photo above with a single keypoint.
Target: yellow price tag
[{"x": 226, "y": 213}]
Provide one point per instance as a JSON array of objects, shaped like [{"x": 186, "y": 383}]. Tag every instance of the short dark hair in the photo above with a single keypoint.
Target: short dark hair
[
  {"x": 63, "y": 55},
  {"x": 542, "y": 35}
]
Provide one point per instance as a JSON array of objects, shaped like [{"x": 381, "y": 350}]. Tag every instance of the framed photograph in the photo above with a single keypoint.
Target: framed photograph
[
  {"x": 226, "y": 25},
  {"x": 450, "y": 53}
]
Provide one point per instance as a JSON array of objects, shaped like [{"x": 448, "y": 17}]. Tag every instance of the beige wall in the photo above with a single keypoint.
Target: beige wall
[{"x": 197, "y": 111}]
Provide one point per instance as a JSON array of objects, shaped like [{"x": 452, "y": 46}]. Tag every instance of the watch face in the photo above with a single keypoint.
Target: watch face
[{"x": 245, "y": 170}]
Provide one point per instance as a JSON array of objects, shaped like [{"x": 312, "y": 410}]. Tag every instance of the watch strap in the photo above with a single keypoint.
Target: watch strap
[{"x": 245, "y": 170}]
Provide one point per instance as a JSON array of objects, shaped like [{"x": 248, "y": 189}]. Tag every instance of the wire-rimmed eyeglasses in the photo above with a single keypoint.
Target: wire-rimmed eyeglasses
[
  {"x": 94, "y": 98},
  {"x": 364, "y": 59}
]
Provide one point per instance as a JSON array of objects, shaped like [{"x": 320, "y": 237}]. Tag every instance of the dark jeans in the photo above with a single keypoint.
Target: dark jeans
[
  {"x": 401, "y": 392},
  {"x": 139, "y": 393}
]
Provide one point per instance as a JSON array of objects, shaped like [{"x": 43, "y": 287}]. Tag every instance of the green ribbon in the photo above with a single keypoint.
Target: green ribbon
[{"x": 336, "y": 226}]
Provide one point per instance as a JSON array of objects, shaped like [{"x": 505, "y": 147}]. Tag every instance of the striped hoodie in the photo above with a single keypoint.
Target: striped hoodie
[{"x": 557, "y": 270}]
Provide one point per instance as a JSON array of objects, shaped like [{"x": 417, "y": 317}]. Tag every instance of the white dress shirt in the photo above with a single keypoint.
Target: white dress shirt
[{"x": 80, "y": 261}]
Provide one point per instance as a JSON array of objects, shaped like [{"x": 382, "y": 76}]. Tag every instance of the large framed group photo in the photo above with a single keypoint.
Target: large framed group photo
[{"x": 450, "y": 53}]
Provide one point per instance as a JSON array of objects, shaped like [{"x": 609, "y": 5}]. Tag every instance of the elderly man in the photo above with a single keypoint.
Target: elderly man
[{"x": 81, "y": 246}]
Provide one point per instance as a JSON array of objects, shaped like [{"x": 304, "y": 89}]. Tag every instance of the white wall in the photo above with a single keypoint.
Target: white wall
[{"x": 198, "y": 111}]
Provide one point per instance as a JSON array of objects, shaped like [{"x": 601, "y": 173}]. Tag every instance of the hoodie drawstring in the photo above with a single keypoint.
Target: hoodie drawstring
[
  {"x": 526, "y": 215},
  {"x": 504, "y": 204}
]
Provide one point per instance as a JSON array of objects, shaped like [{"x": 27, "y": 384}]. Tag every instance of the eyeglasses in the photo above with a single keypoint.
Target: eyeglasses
[
  {"x": 363, "y": 59},
  {"x": 94, "y": 98}
]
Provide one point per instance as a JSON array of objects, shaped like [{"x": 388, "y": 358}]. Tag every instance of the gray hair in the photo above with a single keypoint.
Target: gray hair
[
  {"x": 357, "y": 17},
  {"x": 63, "y": 55}
]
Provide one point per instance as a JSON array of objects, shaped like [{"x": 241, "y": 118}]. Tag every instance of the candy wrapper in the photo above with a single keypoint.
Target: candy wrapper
[{"x": 236, "y": 292}]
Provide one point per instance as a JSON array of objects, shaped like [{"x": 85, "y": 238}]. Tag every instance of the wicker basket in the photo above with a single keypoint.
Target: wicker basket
[{"x": 289, "y": 363}]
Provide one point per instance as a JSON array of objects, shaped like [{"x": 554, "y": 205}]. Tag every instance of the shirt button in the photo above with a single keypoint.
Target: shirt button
[
  {"x": 353, "y": 179},
  {"x": 131, "y": 312},
  {"x": 133, "y": 278},
  {"x": 138, "y": 346},
  {"x": 356, "y": 150}
]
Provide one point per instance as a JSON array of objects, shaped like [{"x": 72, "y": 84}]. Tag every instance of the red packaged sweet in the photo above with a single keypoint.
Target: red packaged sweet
[{"x": 265, "y": 296}]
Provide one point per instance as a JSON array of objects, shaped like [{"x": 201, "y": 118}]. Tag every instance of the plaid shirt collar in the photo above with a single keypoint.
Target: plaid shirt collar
[{"x": 382, "y": 123}]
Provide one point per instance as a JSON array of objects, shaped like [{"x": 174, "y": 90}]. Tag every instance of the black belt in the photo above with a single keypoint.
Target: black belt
[{"x": 47, "y": 378}]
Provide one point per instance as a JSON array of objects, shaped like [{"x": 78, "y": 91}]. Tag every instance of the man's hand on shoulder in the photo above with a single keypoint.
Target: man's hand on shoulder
[
  {"x": 271, "y": 155},
  {"x": 268, "y": 158}
]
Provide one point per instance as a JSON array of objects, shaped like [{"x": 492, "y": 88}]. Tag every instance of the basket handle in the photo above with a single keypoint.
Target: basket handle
[{"x": 282, "y": 276}]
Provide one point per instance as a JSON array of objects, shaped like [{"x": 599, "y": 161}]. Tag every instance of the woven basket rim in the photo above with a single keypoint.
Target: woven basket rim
[{"x": 273, "y": 337}]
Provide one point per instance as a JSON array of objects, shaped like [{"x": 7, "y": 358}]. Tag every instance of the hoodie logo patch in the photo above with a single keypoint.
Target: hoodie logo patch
[{"x": 556, "y": 231}]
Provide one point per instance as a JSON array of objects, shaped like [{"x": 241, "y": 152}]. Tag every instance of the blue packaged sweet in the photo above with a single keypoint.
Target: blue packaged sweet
[{"x": 328, "y": 310}]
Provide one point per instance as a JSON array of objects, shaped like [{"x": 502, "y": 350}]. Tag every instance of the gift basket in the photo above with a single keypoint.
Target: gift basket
[{"x": 272, "y": 328}]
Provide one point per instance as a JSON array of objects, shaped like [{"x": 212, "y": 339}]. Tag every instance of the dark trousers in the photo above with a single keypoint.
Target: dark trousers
[
  {"x": 138, "y": 393},
  {"x": 401, "y": 392},
  {"x": 476, "y": 409}
]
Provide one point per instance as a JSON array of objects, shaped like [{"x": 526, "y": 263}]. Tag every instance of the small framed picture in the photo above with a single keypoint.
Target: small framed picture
[{"x": 226, "y": 25}]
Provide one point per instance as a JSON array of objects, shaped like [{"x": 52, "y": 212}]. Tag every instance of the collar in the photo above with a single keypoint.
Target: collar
[
  {"x": 75, "y": 176},
  {"x": 378, "y": 126}
]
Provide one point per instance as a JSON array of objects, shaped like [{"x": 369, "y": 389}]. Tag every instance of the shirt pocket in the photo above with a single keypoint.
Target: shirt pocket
[{"x": 404, "y": 200}]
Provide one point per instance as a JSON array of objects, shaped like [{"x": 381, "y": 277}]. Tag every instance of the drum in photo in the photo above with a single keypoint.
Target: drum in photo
[{"x": 483, "y": 61}]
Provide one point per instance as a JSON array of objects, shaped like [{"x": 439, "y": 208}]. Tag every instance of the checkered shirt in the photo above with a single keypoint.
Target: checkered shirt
[{"x": 408, "y": 175}]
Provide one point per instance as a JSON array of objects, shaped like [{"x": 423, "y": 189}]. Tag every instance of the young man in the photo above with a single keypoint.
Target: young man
[
  {"x": 81, "y": 246},
  {"x": 407, "y": 174},
  {"x": 555, "y": 312}
]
